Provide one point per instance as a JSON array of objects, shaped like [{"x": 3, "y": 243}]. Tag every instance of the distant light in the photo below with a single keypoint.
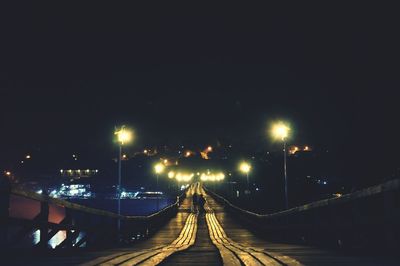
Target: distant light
[
  {"x": 245, "y": 167},
  {"x": 73, "y": 155},
  {"x": 280, "y": 130},
  {"x": 28, "y": 156},
  {"x": 325, "y": 182},
  {"x": 39, "y": 191},
  {"x": 61, "y": 171},
  {"x": 257, "y": 189},
  {"x": 124, "y": 135},
  {"x": 171, "y": 174},
  {"x": 209, "y": 148},
  {"x": 124, "y": 156},
  {"x": 159, "y": 168},
  {"x": 165, "y": 161},
  {"x": 8, "y": 173},
  {"x": 145, "y": 151},
  {"x": 187, "y": 154}
]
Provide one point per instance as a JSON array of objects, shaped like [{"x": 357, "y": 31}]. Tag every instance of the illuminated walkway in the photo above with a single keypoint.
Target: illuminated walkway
[{"x": 209, "y": 237}]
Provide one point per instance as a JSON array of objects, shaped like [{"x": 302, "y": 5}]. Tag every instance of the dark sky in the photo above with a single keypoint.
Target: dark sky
[{"x": 70, "y": 72}]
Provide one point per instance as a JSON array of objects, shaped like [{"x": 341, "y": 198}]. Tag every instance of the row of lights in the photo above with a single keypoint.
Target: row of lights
[{"x": 70, "y": 171}]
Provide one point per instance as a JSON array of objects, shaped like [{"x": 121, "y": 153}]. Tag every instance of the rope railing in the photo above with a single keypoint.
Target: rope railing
[
  {"x": 84, "y": 225},
  {"x": 367, "y": 192},
  {"x": 78, "y": 207},
  {"x": 366, "y": 218}
]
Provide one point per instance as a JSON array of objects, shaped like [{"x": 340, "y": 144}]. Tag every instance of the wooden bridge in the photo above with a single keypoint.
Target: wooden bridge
[{"x": 218, "y": 234}]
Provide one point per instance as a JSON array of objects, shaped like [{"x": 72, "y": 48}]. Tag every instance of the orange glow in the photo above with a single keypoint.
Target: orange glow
[{"x": 293, "y": 149}]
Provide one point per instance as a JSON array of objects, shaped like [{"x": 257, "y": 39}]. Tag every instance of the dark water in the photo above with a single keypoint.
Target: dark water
[{"x": 128, "y": 206}]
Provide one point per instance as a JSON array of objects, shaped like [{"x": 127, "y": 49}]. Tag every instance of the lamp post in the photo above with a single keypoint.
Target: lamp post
[
  {"x": 245, "y": 168},
  {"x": 280, "y": 131},
  {"x": 124, "y": 136},
  {"x": 158, "y": 168}
]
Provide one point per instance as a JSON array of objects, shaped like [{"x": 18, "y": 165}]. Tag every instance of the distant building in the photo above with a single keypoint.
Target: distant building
[
  {"x": 78, "y": 173},
  {"x": 293, "y": 149}
]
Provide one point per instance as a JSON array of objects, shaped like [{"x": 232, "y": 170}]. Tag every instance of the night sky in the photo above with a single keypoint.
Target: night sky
[{"x": 70, "y": 72}]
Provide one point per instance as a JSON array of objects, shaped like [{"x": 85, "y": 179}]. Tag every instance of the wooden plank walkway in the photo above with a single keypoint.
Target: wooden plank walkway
[
  {"x": 203, "y": 252},
  {"x": 304, "y": 255},
  {"x": 163, "y": 237},
  {"x": 210, "y": 238}
]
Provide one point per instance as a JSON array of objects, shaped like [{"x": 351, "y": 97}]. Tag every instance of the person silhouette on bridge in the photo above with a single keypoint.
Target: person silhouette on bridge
[
  {"x": 195, "y": 200},
  {"x": 202, "y": 201}
]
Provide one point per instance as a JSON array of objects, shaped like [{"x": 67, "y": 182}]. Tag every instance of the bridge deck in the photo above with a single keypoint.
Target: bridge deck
[
  {"x": 164, "y": 236},
  {"x": 303, "y": 254},
  {"x": 237, "y": 245},
  {"x": 202, "y": 253}
]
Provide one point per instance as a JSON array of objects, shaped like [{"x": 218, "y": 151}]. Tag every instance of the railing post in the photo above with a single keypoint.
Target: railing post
[
  {"x": 5, "y": 190},
  {"x": 68, "y": 222},
  {"x": 389, "y": 219},
  {"x": 44, "y": 218}
]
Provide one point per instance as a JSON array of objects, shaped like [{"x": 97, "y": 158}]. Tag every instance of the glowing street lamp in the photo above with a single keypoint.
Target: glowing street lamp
[
  {"x": 124, "y": 136},
  {"x": 280, "y": 131},
  {"x": 159, "y": 169},
  {"x": 245, "y": 168}
]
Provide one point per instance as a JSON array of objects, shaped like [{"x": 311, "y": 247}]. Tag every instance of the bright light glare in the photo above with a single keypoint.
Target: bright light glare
[
  {"x": 171, "y": 174},
  {"x": 280, "y": 131},
  {"x": 245, "y": 167},
  {"x": 212, "y": 177},
  {"x": 159, "y": 168},
  {"x": 184, "y": 177},
  {"x": 124, "y": 135}
]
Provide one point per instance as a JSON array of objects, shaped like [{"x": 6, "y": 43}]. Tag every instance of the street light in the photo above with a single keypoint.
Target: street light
[
  {"x": 245, "y": 168},
  {"x": 158, "y": 168},
  {"x": 124, "y": 136},
  {"x": 280, "y": 131}
]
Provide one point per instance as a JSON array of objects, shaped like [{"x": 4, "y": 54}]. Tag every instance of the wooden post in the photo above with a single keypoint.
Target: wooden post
[
  {"x": 68, "y": 221},
  {"x": 44, "y": 218},
  {"x": 5, "y": 189},
  {"x": 389, "y": 222}
]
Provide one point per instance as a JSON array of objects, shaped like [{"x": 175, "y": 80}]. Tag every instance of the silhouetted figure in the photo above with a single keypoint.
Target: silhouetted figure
[
  {"x": 202, "y": 201},
  {"x": 195, "y": 200},
  {"x": 5, "y": 189}
]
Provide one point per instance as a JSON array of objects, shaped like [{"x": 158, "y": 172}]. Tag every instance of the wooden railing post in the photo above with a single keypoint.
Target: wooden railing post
[
  {"x": 44, "y": 229},
  {"x": 5, "y": 190}
]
